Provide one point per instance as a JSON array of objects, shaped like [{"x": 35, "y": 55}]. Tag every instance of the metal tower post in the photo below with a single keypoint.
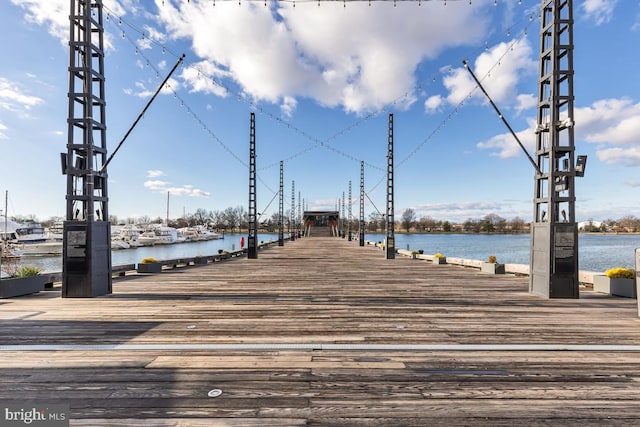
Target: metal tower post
[
  {"x": 390, "y": 247},
  {"x": 252, "y": 237},
  {"x": 344, "y": 218},
  {"x": 350, "y": 216},
  {"x": 299, "y": 217},
  {"x": 554, "y": 232},
  {"x": 281, "y": 207},
  {"x": 361, "y": 223},
  {"x": 292, "y": 213},
  {"x": 86, "y": 266}
]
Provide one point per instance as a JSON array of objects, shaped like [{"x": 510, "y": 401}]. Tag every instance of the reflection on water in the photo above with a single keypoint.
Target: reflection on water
[
  {"x": 230, "y": 242},
  {"x": 597, "y": 252}
]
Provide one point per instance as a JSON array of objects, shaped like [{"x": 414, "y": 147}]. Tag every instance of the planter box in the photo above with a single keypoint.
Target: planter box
[
  {"x": 437, "y": 260},
  {"x": 200, "y": 260},
  {"x": 21, "y": 286},
  {"x": 615, "y": 286},
  {"x": 150, "y": 267},
  {"x": 492, "y": 268}
]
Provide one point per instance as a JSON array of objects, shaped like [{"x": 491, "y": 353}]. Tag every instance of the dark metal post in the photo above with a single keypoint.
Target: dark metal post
[
  {"x": 292, "y": 213},
  {"x": 252, "y": 238},
  {"x": 390, "y": 247},
  {"x": 86, "y": 253},
  {"x": 554, "y": 232},
  {"x": 344, "y": 218},
  {"x": 299, "y": 218},
  {"x": 361, "y": 224},
  {"x": 281, "y": 207},
  {"x": 350, "y": 217}
]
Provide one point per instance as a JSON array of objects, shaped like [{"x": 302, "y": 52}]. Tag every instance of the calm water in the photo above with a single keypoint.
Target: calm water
[{"x": 596, "y": 252}]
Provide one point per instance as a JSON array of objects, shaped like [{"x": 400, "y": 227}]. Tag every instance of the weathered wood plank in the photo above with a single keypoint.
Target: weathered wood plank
[{"x": 323, "y": 290}]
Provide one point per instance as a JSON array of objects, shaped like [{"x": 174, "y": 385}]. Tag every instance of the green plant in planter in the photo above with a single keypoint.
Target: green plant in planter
[
  {"x": 439, "y": 255},
  {"x": 149, "y": 260},
  {"x": 28, "y": 271},
  {"x": 621, "y": 273},
  {"x": 492, "y": 259}
]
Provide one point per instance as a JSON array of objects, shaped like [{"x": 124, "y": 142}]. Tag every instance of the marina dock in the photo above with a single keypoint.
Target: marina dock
[{"x": 323, "y": 332}]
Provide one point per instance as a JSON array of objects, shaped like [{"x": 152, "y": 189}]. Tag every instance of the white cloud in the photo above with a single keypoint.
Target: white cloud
[
  {"x": 610, "y": 121},
  {"x": 188, "y": 190},
  {"x": 200, "y": 78},
  {"x": 599, "y": 11},
  {"x": 433, "y": 103},
  {"x": 461, "y": 211},
  {"x": 607, "y": 122},
  {"x": 54, "y": 14},
  {"x": 288, "y": 106},
  {"x": 525, "y": 101},
  {"x": 185, "y": 190},
  {"x": 314, "y": 52},
  {"x": 156, "y": 185},
  {"x": 13, "y": 98},
  {"x": 499, "y": 70},
  {"x": 505, "y": 145},
  {"x": 155, "y": 173},
  {"x": 3, "y": 135},
  {"x": 620, "y": 156}
]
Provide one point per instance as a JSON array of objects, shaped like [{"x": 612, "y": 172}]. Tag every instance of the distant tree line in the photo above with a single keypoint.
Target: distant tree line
[{"x": 233, "y": 219}]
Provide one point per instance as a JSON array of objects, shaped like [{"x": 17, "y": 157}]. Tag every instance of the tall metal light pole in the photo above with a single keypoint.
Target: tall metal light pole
[
  {"x": 86, "y": 253},
  {"x": 350, "y": 216},
  {"x": 281, "y": 207},
  {"x": 252, "y": 237},
  {"x": 292, "y": 214},
  {"x": 554, "y": 231},
  {"x": 390, "y": 247},
  {"x": 361, "y": 223}
]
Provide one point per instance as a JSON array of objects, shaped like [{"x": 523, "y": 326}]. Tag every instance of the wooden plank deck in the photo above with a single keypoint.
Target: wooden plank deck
[{"x": 301, "y": 336}]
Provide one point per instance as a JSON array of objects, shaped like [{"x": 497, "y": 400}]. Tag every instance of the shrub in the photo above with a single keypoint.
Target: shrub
[
  {"x": 493, "y": 259},
  {"x": 28, "y": 271},
  {"x": 621, "y": 273},
  {"x": 439, "y": 255},
  {"x": 149, "y": 260}
]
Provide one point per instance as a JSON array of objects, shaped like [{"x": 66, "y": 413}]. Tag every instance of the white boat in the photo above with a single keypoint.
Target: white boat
[
  {"x": 130, "y": 234},
  {"x": 190, "y": 234},
  {"x": 56, "y": 231},
  {"x": 165, "y": 235},
  {"x": 147, "y": 238},
  {"x": 119, "y": 244},
  {"x": 41, "y": 248},
  {"x": 206, "y": 233},
  {"x": 30, "y": 232}
]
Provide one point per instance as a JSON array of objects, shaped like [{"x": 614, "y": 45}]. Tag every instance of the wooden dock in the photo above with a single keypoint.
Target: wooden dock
[{"x": 323, "y": 332}]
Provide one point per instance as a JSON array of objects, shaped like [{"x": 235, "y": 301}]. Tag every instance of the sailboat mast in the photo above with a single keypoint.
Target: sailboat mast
[{"x": 167, "y": 223}]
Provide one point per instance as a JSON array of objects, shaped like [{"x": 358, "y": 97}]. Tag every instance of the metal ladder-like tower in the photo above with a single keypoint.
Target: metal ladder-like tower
[
  {"x": 390, "y": 247},
  {"x": 86, "y": 269},
  {"x": 554, "y": 232},
  {"x": 361, "y": 222},
  {"x": 252, "y": 235},
  {"x": 281, "y": 207}
]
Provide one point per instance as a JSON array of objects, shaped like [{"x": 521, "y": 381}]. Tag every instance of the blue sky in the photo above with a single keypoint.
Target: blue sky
[{"x": 322, "y": 80}]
